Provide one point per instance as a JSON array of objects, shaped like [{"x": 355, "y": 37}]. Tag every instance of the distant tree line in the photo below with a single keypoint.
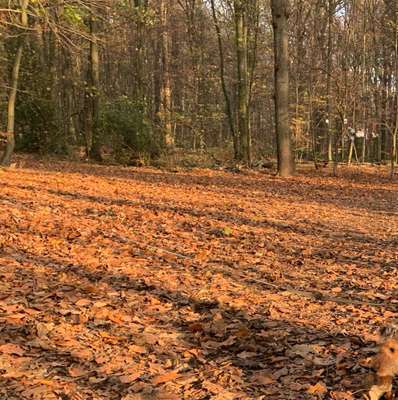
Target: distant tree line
[{"x": 136, "y": 78}]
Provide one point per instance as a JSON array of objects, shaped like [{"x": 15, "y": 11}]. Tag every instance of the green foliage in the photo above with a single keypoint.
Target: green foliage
[
  {"x": 38, "y": 130},
  {"x": 124, "y": 124},
  {"x": 73, "y": 15}
]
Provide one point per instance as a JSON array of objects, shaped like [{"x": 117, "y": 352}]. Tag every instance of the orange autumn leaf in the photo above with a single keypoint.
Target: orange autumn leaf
[
  {"x": 319, "y": 388},
  {"x": 11, "y": 348},
  {"x": 167, "y": 377},
  {"x": 76, "y": 372},
  {"x": 129, "y": 378},
  {"x": 137, "y": 349}
]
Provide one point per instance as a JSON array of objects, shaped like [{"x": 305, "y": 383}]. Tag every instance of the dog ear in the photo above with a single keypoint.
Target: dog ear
[
  {"x": 389, "y": 331},
  {"x": 384, "y": 330}
]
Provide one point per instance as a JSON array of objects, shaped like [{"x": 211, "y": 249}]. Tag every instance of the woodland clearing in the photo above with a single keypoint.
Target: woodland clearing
[{"x": 126, "y": 283}]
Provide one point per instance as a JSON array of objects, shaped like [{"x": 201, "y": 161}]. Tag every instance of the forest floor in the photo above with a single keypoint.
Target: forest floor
[{"x": 123, "y": 283}]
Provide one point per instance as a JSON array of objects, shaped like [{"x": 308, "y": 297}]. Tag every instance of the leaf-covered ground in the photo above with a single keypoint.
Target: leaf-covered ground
[{"x": 140, "y": 284}]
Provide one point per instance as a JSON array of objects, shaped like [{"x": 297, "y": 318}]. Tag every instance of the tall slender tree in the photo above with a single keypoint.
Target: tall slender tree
[
  {"x": 241, "y": 37},
  {"x": 12, "y": 97},
  {"x": 280, "y": 15},
  {"x": 165, "y": 81},
  {"x": 92, "y": 93}
]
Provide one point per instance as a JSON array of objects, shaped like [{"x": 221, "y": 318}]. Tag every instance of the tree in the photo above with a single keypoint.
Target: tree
[
  {"x": 165, "y": 82},
  {"x": 392, "y": 26},
  {"x": 92, "y": 92},
  {"x": 280, "y": 15},
  {"x": 241, "y": 36},
  {"x": 238, "y": 105},
  {"x": 12, "y": 97},
  {"x": 227, "y": 97}
]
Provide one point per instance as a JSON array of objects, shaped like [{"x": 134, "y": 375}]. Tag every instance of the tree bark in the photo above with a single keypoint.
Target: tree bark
[
  {"x": 94, "y": 150},
  {"x": 328, "y": 82},
  {"x": 165, "y": 89},
  {"x": 228, "y": 106},
  {"x": 280, "y": 15},
  {"x": 393, "y": 155},
  {"x": 12, "y": 97},
  {"x": 241, "y": 37}
]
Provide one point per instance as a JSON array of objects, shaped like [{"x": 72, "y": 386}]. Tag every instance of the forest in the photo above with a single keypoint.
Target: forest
[
  {"x": 128, "y": 81},
  {"x": 198, "y": 199}
]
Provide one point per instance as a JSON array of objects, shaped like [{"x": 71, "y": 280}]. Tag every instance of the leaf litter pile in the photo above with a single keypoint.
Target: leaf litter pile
[{"x": 120, "y": 283}]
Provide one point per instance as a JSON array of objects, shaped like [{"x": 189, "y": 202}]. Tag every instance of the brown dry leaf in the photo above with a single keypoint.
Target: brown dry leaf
[
  {"x": 15, "y": 374},
  {"x": 195, "y": 327},
  {"x": 118, "y": 318},
  {"x": 83, "y": 302},
  {"x": 318, "y": 389},
  {"x": 247, "y": 354},
  {"x": 164, "y": 378},
  {"x": 134, "y": 348},
  {"x": 212, "y": 387},
  {"x": 100, "y": 304},
  {"x": 281, "y": 372},
  {"x": 101, "y": 314},
  {"x": 243, "y": 332},
  {"x": 215, "y": 345},
  {"x": 15, "y": 319},
  {"x": 82, "y": 353},
  {"x": 264, "y": 378},
  {"x": 376, "y": 392},
  {"x": 76, "y": 372},
  {"x": 226, "y": 395},
  {"x": 11, "y": 348},
  {"x": 297, "y": 387},
  {"x": 302, "y": 350},
  {"x": 129, "y": 378},
  {"x": 341, "y": 396},
  {"x": 164, "y": 395},
  {"x": 43, "y": 329},
  {"x": 38, "y": 392}
]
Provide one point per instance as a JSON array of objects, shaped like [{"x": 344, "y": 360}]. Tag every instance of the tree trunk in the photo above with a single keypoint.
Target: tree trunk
[
  {"x": 10, "y": 146},
  {"x": 228, "y": 106},
  {"x": 241, "y": 36},
  {"x": 286, "y": 164},
  {"x": 165, "y": 89},
  {"x": 94, "y": 150},
  {"x": 139, "y": 54},
  {"x": 328, "y": 82},
  {"x": 394, "y": 132}
]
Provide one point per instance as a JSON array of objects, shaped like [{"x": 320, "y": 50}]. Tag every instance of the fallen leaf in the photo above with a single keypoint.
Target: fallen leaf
[
  {"x": 247, "y": 354},
  {"x": 43, "y": 329},
  {"x": 341, "y": 396},
  {"x": 137, "y": 349},
  {"x": 281, "y": 372},
  {"x": 169, "y": 376},
  {"x": 212, "y": 387},
  {"x": 11, "y": 348},
  {"x": 129, "y": 378},
  {"x": 76, "y": 372},
  {"x": 319, "y": 388},
  {"x": 263, "y": 378}
]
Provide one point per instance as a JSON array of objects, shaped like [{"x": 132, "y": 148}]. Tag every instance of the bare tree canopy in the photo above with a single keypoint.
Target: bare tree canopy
[{"x": 138, "y": 78}]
